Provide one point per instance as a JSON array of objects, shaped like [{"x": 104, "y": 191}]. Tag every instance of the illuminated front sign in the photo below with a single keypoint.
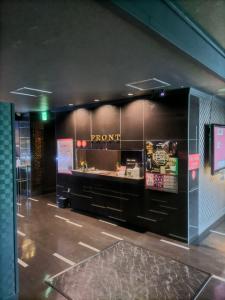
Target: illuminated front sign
[{"x": 115, "y": 137}]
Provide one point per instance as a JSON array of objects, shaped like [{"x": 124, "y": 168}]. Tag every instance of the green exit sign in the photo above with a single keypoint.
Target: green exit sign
[{"x": 44, "y": 115}]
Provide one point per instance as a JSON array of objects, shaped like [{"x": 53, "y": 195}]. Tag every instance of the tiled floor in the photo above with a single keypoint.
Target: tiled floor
[
  {"x": 216, "y": 238},
  {"x": 52, "y": 239},
  {"x": 214, "y": 289}
]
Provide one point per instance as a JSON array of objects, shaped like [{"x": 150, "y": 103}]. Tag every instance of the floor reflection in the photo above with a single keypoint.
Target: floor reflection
[{"x": 28, "y": 249}]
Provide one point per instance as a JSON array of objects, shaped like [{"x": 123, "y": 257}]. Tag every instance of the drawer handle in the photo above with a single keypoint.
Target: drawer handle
[
  {"x": 81, "y": 195},
  {"x": 109, "y": 196},
  {"x": 118, "y": 219},
  {"x": 157, "y": 200},
  {"x": 168, "y": 207},
  {"x": 144, "y": 218},
  {"x": 98, "y": 206},
  {"x": 158, "y": 212},
  {"x": 116, "y": 209}
]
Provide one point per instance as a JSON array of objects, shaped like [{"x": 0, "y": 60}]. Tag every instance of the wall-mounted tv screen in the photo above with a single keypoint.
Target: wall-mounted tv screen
[{"x": 217, "y": 148}]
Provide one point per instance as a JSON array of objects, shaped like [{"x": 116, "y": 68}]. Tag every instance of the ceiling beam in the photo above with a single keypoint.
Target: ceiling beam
[{"x": 163, "y": 17}]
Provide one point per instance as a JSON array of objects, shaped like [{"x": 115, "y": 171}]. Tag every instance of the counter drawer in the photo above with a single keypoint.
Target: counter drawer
[
  {"x": 80, "y": 201},
  {"x": 148, "y": 223},
  {"x": 117, "y": 214},
  {"x": 98, "y": 209}
]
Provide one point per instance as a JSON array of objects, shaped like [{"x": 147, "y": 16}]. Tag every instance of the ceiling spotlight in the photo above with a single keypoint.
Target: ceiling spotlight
[
  {"x": 70, "y": 104},
  {"x": 96, "y": 100},
  {"x": 162, "y": 93},
  {"x": 130, "y": 94}
]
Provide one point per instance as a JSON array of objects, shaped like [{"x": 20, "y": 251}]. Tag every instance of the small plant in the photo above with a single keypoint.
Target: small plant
[
  {"x": 83, "y": 164},
  {"x": 118, "y": 166}
]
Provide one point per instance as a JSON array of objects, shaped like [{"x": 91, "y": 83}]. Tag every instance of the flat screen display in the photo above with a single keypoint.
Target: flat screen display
[{"x": 218, "y": 148}]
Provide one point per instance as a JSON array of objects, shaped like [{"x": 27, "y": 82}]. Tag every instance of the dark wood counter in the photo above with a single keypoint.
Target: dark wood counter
[
  {"x": 108, "y": 175},
  {"x": 103, "y": 195},
  {"x": 124, "y": 200}
]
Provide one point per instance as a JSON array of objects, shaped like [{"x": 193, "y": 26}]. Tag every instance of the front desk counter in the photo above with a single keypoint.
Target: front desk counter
[
  {"x": 125, "y": 200},
  {"x": 103, "y": 194}
]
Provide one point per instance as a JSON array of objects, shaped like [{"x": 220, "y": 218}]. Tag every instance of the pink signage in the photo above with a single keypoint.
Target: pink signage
[
  {"x": 219, "y": 148},
  {"x": 193, "y": 161},
  {"x": 65, "y": 155}
]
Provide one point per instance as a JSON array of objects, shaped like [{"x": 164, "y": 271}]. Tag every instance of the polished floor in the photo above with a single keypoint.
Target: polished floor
[{"x": 51, "y": 239}]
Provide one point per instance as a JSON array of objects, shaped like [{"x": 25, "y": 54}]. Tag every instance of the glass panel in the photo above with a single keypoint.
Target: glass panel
[{"x": 23, "y": 157}]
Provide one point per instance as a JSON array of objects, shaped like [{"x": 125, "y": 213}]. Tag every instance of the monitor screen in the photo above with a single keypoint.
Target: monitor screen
[{"x": 217, "y": 148}]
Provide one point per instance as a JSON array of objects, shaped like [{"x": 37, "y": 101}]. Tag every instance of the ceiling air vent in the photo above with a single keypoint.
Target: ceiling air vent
[
  {"x": 30, "y": 92},
  {"x": 148, "y": 84}
]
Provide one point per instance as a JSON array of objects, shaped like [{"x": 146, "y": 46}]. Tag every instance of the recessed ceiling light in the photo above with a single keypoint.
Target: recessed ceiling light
[
  {"x": 71, "y": 104},
  {"x": 36, "y": 90},
  {"x": 24, "y": 94},
  {"x": 162, "y": 93},
  {"x": 130, "y": 94},
  {"x": 96, "y": 100}
]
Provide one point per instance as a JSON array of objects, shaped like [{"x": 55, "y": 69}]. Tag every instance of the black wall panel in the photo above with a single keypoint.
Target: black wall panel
[
  {"x": 49, "y": 158},
  {"x": 132, "y": 145},
  {"x": 65, "y": 125},
  {"x": 132, "y": 121},
  {"x": 106, "y": 120},
  {"x": 43, "y": 152},
  {"x": 166, "y": 119},
  {"x": 83, "y": 124},
  {"x": 194, "y": 117}
]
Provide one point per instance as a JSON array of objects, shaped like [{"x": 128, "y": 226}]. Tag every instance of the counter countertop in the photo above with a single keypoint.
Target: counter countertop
[{"x": 106, "y": 173}]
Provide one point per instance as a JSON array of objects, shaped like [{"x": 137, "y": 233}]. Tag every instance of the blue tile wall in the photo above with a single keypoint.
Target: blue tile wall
[{"x": 8, "y": 263}]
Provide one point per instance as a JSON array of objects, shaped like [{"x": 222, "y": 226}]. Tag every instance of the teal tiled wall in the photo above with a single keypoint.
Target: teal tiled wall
[{"x": 8, "y": 260}]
